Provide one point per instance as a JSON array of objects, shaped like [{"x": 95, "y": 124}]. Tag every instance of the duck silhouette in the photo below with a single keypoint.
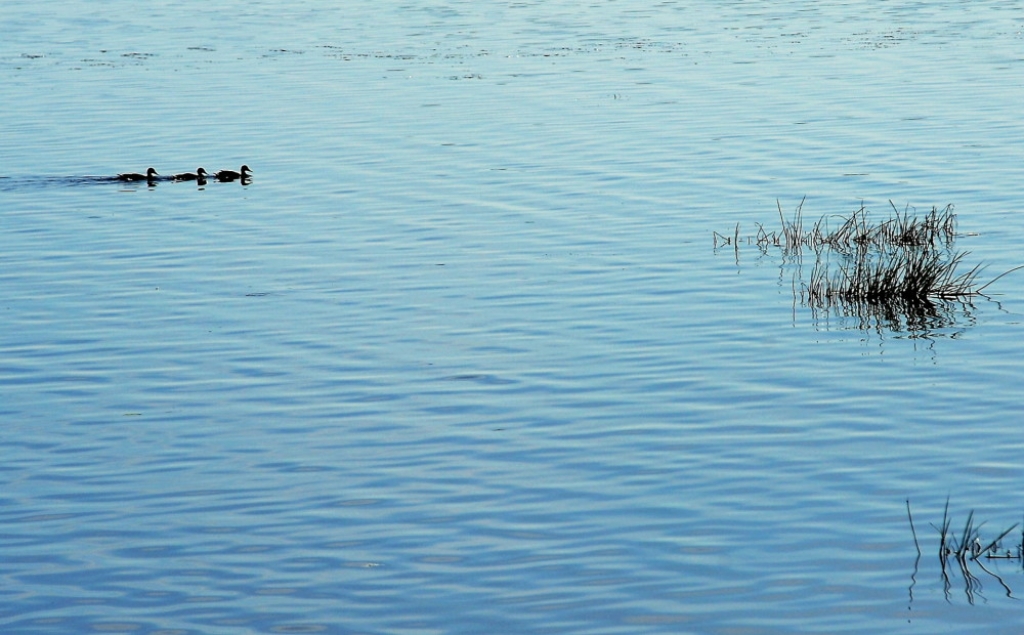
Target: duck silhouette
[
  {"x": 230, "y": 175},
  {"x": 199, "y": 175},
  {"x": 150, "y": 176}
]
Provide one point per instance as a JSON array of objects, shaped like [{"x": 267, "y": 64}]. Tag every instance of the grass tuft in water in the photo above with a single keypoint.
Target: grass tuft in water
[
  {"x": 898, "y": 276},
  {"x": 901, "y": 271}
]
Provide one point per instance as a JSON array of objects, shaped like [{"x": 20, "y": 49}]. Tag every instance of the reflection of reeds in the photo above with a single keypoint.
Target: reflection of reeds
[{"x": 898, "y": 315}]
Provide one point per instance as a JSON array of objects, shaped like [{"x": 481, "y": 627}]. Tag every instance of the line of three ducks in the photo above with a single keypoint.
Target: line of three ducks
[{"x": 199, "y": 175}]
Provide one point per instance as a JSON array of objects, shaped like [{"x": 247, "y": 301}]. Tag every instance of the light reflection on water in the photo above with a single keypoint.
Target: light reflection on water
[{"x": 463, "y": 356}]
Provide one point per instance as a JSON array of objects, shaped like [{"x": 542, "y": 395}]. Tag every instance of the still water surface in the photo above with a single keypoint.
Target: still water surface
[{"x": 462, "y": 357}]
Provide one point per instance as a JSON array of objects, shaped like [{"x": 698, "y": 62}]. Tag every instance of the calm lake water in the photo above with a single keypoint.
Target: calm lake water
[{"x": 463, "y": 356}]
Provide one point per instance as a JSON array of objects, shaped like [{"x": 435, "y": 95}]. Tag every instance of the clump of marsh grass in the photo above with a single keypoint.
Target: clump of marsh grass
[
  {"x": 902, "y": 269},
  {"x": 935, "y": 229},
  {"x": 903, "y": 276},
  {"x": 912, "y": 280}
]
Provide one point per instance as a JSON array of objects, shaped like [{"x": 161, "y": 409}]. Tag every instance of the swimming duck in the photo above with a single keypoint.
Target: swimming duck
[
  {"x": 199, "y": 175},
  {"x": 230, "y": 175},
  {"x": 150, "y": 175}
]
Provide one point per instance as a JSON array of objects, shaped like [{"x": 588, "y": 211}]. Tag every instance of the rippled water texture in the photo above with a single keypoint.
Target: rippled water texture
[{"x": 463, "y": 356}]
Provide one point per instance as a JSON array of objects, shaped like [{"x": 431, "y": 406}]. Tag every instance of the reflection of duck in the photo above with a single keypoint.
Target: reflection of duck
[
  {"x": 150, "y": 175},
  {"x": 198, "y": 175},
  {"x": 230, "y": 175}
]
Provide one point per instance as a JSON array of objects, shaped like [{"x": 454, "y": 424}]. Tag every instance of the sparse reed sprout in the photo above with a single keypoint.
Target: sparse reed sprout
[{"x": 965, "y": 551}]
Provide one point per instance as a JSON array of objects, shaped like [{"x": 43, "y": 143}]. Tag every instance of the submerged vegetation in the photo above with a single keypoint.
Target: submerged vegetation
[{"x": 901, "y": 272}]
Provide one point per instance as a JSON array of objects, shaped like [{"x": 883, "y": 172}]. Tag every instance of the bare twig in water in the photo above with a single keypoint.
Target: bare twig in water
[{"x": 912, "y": 530}]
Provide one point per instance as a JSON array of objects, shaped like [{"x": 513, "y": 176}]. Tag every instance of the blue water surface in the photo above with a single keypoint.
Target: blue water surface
[{"x": 464, "y": 355}]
